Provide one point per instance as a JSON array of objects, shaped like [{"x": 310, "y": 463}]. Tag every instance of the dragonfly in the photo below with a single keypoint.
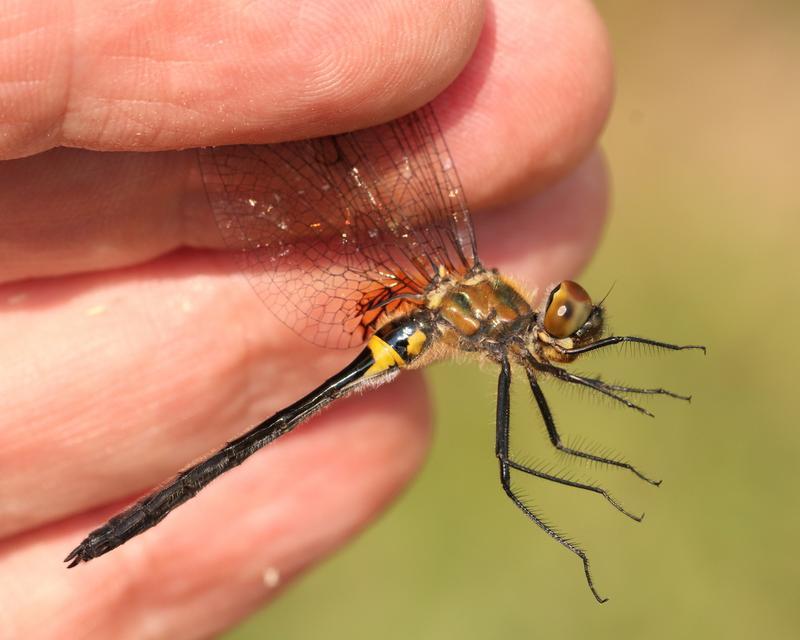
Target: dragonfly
[{"x": 365, "y": 238}]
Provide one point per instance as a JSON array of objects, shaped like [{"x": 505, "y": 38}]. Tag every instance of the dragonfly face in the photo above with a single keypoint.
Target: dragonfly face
[
  {"x": 365, "y": 238},
  {"x": 567, "y": 320}
]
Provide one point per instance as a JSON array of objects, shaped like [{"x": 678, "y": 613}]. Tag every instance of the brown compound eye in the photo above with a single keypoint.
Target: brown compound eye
[{"x": 567, "y": 310}]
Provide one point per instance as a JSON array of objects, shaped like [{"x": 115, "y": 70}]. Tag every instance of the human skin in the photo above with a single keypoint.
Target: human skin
[{"x": 130, "y": 345}]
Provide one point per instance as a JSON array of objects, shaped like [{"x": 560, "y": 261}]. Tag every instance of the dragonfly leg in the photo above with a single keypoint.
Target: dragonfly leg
[
  {"x": 577, "y": 485},
  {"x": 502, "y": 450},
  {"x": 555, "y": 438},
  {"x": 612, "y": 340}
]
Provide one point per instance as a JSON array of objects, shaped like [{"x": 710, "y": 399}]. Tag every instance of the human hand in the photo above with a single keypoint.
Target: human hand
[{"x": 129, "y": 347}]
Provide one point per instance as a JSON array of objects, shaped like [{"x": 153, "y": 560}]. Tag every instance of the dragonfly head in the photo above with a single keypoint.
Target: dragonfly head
[{"x": 567, "y": 320}]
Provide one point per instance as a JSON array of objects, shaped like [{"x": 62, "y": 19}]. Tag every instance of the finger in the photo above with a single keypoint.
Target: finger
[
  {"x": 512, "y": 122},
  {"x": 145, "y": 76},
  {"x": 219, "y": 557},
  {"x": 113, "y": 381}
]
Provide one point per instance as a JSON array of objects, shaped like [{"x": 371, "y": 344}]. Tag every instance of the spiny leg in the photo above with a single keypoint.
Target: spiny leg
[
  {"x": 577, "y": 485},
  {"x": 610, "y": 389},
  {"x": 501, "y": 451},
  {"x": 658, "y": 391},
  {"x": 595, "y": 385},
  {"x": 555, "y": 438},
  {"x": 613, "y": 340}
]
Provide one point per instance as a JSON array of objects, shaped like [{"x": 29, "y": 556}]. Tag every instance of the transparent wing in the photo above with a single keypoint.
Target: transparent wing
[{"x": 335, "y": 233}]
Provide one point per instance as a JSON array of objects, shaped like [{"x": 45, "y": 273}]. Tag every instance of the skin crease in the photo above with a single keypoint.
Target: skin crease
[{"x": 130, "y": 347}]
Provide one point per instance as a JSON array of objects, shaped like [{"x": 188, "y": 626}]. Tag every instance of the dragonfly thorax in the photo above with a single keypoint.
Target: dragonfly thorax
[{"x": 479, "y": 310}]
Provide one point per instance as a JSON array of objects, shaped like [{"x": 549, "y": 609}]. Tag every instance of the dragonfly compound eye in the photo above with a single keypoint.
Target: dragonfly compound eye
[{"x": 567, "y": 310}]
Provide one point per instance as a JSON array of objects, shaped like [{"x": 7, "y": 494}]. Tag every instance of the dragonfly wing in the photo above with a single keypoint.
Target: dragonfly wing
[{"x": 335, "y": 233}]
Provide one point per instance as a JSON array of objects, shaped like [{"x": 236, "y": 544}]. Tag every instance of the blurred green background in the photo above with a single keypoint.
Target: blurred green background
[{"x": 703, "y": 243}]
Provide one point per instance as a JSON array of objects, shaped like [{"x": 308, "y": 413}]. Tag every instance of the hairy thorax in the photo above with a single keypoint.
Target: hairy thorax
[{"x": 479, "y": 312}]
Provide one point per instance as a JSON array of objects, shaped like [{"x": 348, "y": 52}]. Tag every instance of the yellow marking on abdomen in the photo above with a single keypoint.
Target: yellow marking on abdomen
[
  {"x": 384, "y": 355},
  {"x": 416, "y": 342}
]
